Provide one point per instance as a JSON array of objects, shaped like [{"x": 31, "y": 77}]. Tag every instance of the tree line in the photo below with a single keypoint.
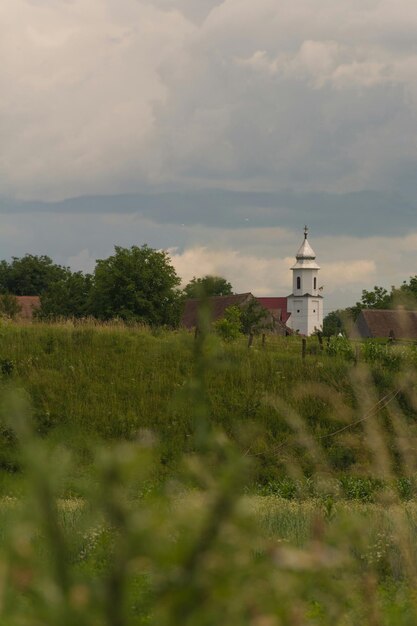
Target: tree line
[{"x": 133, "y": 284}]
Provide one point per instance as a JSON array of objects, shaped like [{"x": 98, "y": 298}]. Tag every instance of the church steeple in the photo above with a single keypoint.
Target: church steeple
[
  {"x": 306, "y": 255},
  {"x": 305, "y": 301}
]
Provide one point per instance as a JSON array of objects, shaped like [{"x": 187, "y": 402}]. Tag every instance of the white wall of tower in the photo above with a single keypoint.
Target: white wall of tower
[
  {"x": 305, "y": 281},
  {"x": 305, "y": 304}
]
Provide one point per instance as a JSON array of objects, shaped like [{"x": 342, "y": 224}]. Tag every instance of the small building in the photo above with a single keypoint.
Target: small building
[
  {"x": 378, "y": 323},
  {"x": 218, "y": 306},
  {"x": 28, "y": 305}
]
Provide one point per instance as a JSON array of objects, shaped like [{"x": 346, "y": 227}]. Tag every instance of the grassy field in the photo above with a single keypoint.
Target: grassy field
[
  {"x": 151, "y": 478},
  {"x": 109, "y": 383}
]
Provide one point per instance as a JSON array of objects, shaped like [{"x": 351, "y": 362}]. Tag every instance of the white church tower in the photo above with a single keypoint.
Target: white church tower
[{"x": 305, "y": 304}]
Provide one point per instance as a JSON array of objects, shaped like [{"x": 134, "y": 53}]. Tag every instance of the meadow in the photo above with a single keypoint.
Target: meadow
[{"x": 151, "y": 477}]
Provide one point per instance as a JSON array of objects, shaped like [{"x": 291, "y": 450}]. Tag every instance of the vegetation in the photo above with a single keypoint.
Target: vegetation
[
  {"x": 9, "y": 306},
  {"x": 29, "y": 275},
  {"x": 208, "y": 286},
  {"x": 69, "y": 297},
  {"x": 136, "y": 284},
  {"x": 230, "y": 326},
  {"x": 150, "y": 477}
]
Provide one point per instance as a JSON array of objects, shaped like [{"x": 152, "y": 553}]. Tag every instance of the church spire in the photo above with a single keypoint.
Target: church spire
[{"x": 306, "y": 252}]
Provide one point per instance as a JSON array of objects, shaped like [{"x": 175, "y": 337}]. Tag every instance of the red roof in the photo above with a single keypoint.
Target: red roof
[
  {"x": 218, "y": 306},
  {"x": 277, "y": 306}
]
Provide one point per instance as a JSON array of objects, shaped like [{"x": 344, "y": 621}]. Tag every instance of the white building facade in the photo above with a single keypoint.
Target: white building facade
[{"x": 305, "y": 304}]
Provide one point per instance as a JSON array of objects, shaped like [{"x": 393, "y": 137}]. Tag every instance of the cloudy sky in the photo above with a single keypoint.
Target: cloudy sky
[{"x": 214, "y": 129}]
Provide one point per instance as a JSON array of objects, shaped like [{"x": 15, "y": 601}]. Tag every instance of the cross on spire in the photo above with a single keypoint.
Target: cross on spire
[{"x": 305, "y": 232}]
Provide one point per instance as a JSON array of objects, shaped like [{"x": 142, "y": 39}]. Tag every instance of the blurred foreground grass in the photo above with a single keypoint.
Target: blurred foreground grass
[{"x": 134, "y": 466}]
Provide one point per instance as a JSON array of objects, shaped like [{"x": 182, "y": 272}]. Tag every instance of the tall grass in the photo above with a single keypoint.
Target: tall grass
[{"x": 140, "y": 502}]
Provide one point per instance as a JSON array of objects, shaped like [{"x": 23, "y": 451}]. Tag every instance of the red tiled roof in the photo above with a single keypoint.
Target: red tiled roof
[
  {"x": 218, "y": 306},
  {"x": 277, "y": 306},
  {"x": 27, "y": 305}
]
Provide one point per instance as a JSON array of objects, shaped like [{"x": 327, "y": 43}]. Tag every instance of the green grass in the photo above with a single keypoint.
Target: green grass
[
  {"x": 110, "y": 382},
  {"x": 149, "y": 478}
]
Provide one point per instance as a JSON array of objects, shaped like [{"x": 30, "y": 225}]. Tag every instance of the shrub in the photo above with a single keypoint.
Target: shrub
[
  {"x": 340, "y": 346},
  {"x": 229, "y": 327}
]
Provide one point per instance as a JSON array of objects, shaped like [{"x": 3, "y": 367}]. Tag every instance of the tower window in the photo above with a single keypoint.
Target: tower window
[
  {"x": 298, "y": 310},
  {"x": 315, "y": 283},
  {"x": 298, "y": 282}
]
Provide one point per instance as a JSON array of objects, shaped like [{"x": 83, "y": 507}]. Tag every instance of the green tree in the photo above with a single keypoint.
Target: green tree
[
  {"x": 67, "y": 297},
  {"x": 9, "y": 306},
  {"x": 254, "y": 318},
  {"x": 406, "y": 295},
  {"x": 337, "y": 322},
  {"x": 377, "y": 298},
  {"x": 137, "y": 283},
  {"x": 230, "y": 326},
  {"x": 29, "y": 275},
  {"x": 208, "y": 286}
]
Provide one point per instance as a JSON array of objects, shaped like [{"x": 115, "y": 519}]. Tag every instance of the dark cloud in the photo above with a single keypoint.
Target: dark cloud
[{"x": 360, "y": 214}]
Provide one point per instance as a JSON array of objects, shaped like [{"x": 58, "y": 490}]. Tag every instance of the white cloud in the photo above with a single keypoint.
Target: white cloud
[
  {"x": 264, "y": 276},
  {"x": 109, "y": 95},
  {"x": 79, "y": 82},
  {"x": 245, "y": 272}
]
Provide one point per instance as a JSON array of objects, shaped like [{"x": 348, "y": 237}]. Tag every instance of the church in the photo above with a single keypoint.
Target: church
[
  {"x": 305, "y": 304},
  {"x": 301, "y": 312}
]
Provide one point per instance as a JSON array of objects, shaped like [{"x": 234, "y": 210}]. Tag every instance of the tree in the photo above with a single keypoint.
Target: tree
[
  {"x": 67, "y": 297},
  {"x": 137, "y": 283},
  {"x": 254, "y": 318},
  {"x": 378, "y": 298},
  {"x": 9, "y": 306},
  {"x": 29, "y": 275},
  {"x": 406, "y": 295},
  {"x": 229, "y": 327},
  {"x": 336, "y": 322},
  {"x": 208, "y": 286}
]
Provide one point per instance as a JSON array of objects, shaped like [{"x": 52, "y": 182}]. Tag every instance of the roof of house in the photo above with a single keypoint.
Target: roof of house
[
  {"x": 277, "y": 306},
  {"x": 375, "y": 323},
  {"x": 217, "y": 304},
  {"x": 27, "y": 305}
]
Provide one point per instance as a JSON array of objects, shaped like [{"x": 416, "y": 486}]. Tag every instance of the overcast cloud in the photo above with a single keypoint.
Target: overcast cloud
[{"x": 310, "y": 101}]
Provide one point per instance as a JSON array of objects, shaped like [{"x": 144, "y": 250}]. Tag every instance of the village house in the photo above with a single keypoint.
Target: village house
[
  {"x": 389, "y": 324},
  {"x": 27, "y": 306},
  {"x": 219, "y": 304}
]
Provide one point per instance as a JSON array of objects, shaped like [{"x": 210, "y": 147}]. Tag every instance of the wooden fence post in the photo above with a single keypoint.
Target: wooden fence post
[
  {"x": 304, "y": 348},
  {"x": 250, "y": 340},
  {"x": 263, "y": 340}
]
